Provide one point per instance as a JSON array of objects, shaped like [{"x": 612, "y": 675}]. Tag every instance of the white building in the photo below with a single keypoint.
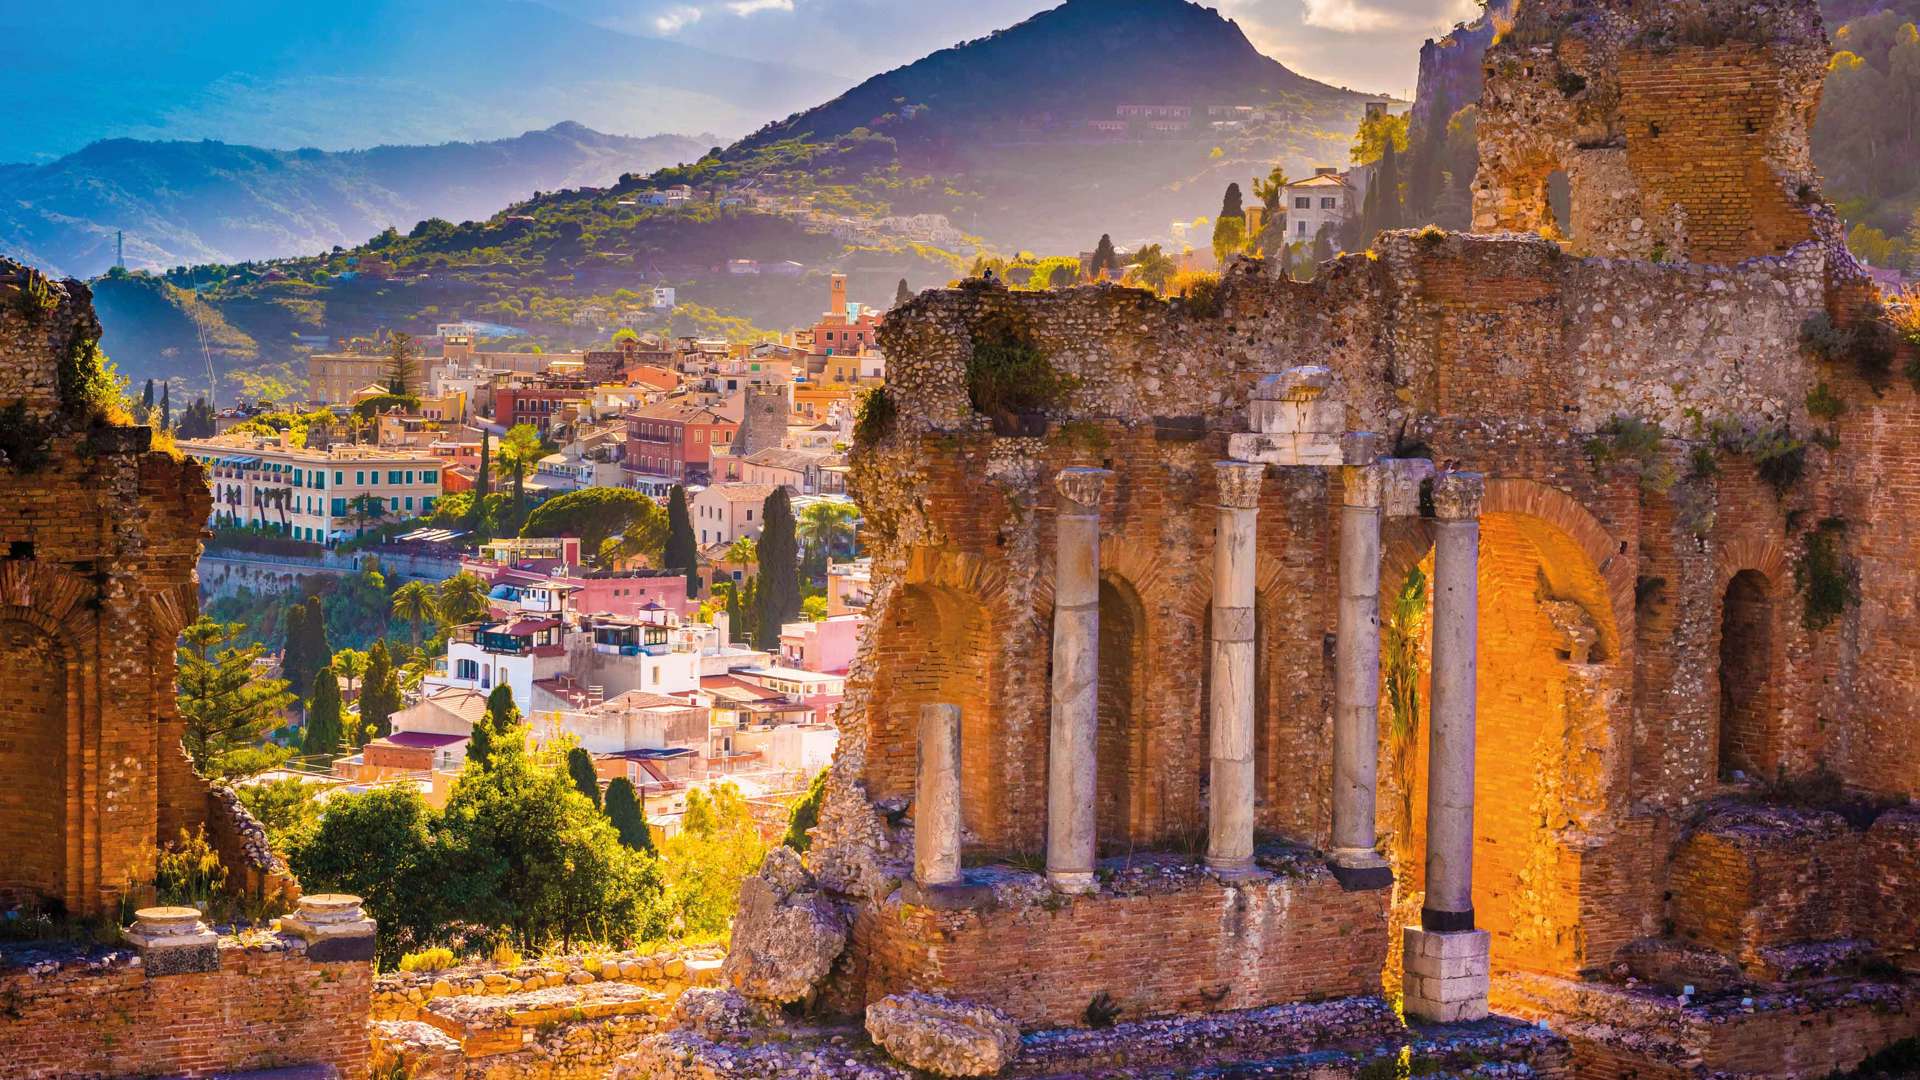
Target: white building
[
  {"x": 320, "y": 496},
  {"x": 723, "y": 513},
  {"x": 1324, "y": 200}
]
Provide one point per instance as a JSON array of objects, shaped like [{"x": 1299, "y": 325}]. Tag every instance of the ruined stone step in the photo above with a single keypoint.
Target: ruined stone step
[{"x": 506, "y": 1023}]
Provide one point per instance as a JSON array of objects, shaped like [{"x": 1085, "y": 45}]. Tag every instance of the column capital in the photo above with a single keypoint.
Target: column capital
[
  {"x": 1457, "y": 495},
  {"x": 1364, "y": 486},
  {"x": 1362, "y": 447},
  {"x": 1082, "y": 488},
  {"x": 1239, "y": 483}
]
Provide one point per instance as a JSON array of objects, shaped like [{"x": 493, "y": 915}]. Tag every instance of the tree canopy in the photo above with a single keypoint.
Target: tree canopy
[
  {"x": 226, "y": 707},
  {"x": 597, "y": 513}
]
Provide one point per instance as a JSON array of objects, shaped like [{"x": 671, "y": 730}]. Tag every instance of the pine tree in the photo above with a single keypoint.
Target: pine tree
[
  {"x": 777, "y": 591},
  {"x": 628, "y": 816},
  {"x": 379, "y": 694},
  {"x": 226, "y": 708},
  {"x": 682, "y": 552},
  {"x": 322, "y": 735},
  {"x": 902, "y": 294},
  {"x": 585, "y": 779},
  {"x": 501, "y": 717}
]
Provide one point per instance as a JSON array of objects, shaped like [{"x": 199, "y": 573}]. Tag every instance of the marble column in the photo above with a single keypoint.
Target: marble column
[
  {"x": 936, "y": 801},
  {"x": 1356, "y": 703},
  {"x": 1073, "y": 744},
  {"x": 1230, "y": 741},
  {"x": 1446, "y": 957}
]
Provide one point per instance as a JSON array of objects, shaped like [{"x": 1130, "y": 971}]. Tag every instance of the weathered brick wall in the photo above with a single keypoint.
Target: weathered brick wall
[
  {"x": 267, "y": 1005},
  {"x": 1748, "y": 880},
  {"x": 1889, "y": 887},
  {"x": 98, "y": 540},
  {"x": 1682, "y": 128},
  {"x": 1180, "y": 944}
]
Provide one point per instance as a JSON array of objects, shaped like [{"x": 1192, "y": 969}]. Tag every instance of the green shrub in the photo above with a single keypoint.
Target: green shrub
[
  {"x": 434, "y": 959},
  {"x": 1823, "y": 404},
  {"x": 1868, "y": 344},
  {"x": 1825, "y": 577},
  {"x": 1631, "y": 439},
  {"x": 874, "y": 416},
  {"x": 1007, "y": 373},
  {"x": 806, "y": 814},
  {"x": 1779, "y": 457}
]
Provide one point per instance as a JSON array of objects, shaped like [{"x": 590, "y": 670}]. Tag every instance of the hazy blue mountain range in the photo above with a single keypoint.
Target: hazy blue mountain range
[
  {"x": 286, "y": 73},
  {"x": 183, "y": 203}
]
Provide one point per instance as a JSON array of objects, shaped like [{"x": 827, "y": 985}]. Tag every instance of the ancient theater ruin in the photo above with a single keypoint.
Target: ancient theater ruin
[{"x": 1488, "y": 621}]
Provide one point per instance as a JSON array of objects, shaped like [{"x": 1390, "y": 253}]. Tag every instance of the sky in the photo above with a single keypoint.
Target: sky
[{"x": 1365, "y": 44}]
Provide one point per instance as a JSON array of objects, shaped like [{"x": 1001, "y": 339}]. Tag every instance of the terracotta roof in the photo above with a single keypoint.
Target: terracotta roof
[
  {"x": 468, "y": 705},
  {"x": 1321, "y": 180},
  {"x": 742, "y": 492},
  {"x": 423, "y": 740}
]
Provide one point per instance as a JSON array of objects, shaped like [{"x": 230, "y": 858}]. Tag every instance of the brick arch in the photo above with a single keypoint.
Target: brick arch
[
  {"x": 1766, "y": 554},
  {"x": 48, "y": 631},
  {"x": 1750, "y": 581}
]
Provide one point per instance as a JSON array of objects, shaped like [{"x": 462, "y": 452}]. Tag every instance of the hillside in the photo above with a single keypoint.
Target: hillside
[
  {"x": 186, "y": 203},
  {"x": 995, "y": 135}
]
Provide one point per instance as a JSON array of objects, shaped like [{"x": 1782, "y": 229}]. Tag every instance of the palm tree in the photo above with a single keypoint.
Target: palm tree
[
  {"x": 415, "y": 671},
  {"x": 743, "y": 552},
  {"x": 416, "y": 603},
  {"x": 822, "y": 525},
  {"x": 463, "y": 598},
  {"x": 350, "y": 664}
]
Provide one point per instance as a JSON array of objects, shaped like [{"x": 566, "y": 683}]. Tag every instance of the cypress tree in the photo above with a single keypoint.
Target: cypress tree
[
  {"x": 628, "y": 816},
  {"x": 482, "y": 481},
  {"x": 166, "y": 406},
  {"x": 322, "y": 735},
  {"x": 502, "y": 714},
  {"x": 379, "y": 693},
  {"x": 294, "y": 661},
  {"x": 1230, "y": 206},
  {"x": 682, "y": 552},
  {"x": 1104, "y": 258},
  {"x": 902, "y": 294},
  {"x": 318, "y": 651},
  {"x": 580, "y": 768},
  {"x": 736, "y": 614},
  {"x": 777, "y": 590},
  {"x": 146, "y": 402}
]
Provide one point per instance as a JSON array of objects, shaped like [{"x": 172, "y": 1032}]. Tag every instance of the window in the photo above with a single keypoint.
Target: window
[
  {"x": 430, "y": 476},
  {"x": 1302, "y": 230},
  {"x": 1329, "y": 204},
  {"x": 1303, "y": 202},
  {"x": 393, "y": 476},
  {"x": 426, "y": 504},
  {"x": 360, "y": 477},
  {"x": 409, "y": 502},
  {"x": 409, "y": 476},
  {"x": 320, "y": 478},
  {"x": 339, "y": 477},
  {"x": 339, "y": 507}
]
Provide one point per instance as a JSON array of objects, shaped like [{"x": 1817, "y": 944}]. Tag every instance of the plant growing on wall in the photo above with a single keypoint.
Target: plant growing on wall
[
  {"x": 1631, "y": 439},
  {"x": 1826, "y": 578},
  {"x": 1403, "y": 654},
  {"x": 1007, "y": 374}
]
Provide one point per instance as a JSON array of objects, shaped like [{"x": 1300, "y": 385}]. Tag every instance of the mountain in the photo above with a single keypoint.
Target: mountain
[
  {"x": 1022, "y": 140},
  {"x": 342, "y": 75},
  {"x": 209, "y": 202}
]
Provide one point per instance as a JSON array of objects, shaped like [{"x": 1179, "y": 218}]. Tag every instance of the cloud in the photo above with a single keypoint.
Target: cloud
[
  {"x": 754, "y": 7},
  {"x": 1383, "y": 16},
  {"x": 675, "y": 19}
]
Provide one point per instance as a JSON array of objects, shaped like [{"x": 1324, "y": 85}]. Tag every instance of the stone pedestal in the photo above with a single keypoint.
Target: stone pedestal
[
  {"x": 1073, "y": 743},
  {"x": 173, "y": 941},
  {"x": 333, "y": 926},
  {"x": 1230, "y": 739},
  {"x": 1357, "y": 863},
  {"x": 1294, "y": 421},
  {"x": 1446, "y": 975}
]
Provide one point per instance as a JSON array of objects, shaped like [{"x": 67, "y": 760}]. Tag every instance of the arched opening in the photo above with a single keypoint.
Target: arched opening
[
  {"x": 932, "y": 647},
  {"x": 33, "y": 763},
  {"x": 1122, "y": 663},
  {"x": 1545, "y": 676},
  {"x": 1746, "y": 662}
]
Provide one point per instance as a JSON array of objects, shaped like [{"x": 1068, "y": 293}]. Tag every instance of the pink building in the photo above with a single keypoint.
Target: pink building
[
  {"x": 629, "y": 593},
  {"x": 826, "y": 646}
]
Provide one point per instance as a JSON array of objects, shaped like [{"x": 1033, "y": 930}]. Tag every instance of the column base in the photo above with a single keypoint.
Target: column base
[
  {"x": 1076, "y": 882},
  {"x": 1360, "y": 869},
  {"x": 1446, "y": 975},
  {"x": 947, "y": 896},
  {"x": 1233, "y": 870}
]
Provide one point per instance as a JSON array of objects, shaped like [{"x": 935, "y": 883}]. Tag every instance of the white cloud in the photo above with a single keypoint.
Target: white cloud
[
  {"x": 676, "y": 18},
  {"x": 754, "y": 7},
  {"x": 1383, "y": 16}
]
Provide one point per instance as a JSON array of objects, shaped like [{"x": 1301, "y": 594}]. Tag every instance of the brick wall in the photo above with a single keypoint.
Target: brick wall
[
  {"x": 267, "y": 1005},
  {"x": 1158, "y": 942}
]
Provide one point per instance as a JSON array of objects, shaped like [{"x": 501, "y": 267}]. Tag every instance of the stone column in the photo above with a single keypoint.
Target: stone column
[
  {"x": 1230, "y": 768},
  {"x": 936, "y": 801},
  {"x": 1446, "y": 958},
  {"x": 1356, "y": 696},
  {"x": 1072, "y": 748}
]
